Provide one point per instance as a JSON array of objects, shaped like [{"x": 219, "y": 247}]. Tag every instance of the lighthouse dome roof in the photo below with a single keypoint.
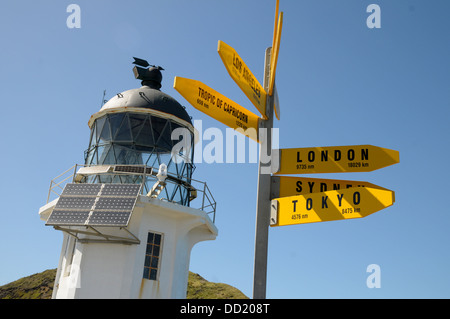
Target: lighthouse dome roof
[{"x": 147, "y": 97}]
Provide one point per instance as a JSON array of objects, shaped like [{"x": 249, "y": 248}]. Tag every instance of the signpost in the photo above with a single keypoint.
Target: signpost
[
  {"x": 263, "y": 198},
  {"x": 349, "y": 203},
  {"x": 335, "y": 159},
  {"x": 263, "y": 192},
  {"x": 218, "y": 106},
  {"x": 288, "y": 200},
  {"x": 243, "y": 77}
]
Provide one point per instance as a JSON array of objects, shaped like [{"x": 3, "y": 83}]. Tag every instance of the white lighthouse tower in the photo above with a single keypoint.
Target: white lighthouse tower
[{"x": 127, "y": 214}]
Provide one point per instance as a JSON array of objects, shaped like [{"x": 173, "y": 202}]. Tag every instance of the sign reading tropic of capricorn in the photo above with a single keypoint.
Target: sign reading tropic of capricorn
[{"x": 218, "y": 106}]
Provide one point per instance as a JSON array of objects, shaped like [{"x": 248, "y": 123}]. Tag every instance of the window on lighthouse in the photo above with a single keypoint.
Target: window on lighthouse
[{"x": 152, "y": 256}]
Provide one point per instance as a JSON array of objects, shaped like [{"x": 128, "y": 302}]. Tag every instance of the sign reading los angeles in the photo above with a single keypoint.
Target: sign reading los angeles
[
  {"x": 331, "y": 205},
  {"x": 243, "y": 77},
  {"x": 335, "y": 159},
  {"x": 218, "y": 106}
]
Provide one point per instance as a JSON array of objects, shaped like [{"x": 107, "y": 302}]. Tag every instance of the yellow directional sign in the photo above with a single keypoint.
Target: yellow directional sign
[
  {"x": 275, "y": 50},
  {"x": 218, "y": 106},
  {"x": 334, "y": 159},
  {"x": 283, "y": 186},
  {"x": 276, "y": 102},
  {"x": 276, "y": 23},
  {"x": 274, "y": 58},
  {"x": 243, "y": 77},
  {"x": 331, "y": 205}
]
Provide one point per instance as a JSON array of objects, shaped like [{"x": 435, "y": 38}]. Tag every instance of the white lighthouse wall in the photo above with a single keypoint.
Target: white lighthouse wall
[
  {"x": 176, "y": 223},
  {"x": 106, "y": 270}
]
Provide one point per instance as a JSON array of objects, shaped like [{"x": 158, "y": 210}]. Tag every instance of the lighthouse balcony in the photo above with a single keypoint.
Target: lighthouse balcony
[{"x": 198, "y": 194}]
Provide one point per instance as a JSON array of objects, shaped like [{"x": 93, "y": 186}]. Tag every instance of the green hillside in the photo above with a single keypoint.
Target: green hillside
[
  {"x": 40, "y": 286},
  {"x": 37, "y": 286},
  {"x": 199, "y": 288}
]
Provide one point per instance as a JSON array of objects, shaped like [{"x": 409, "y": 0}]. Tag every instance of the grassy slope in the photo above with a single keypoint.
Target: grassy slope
[
  {"x": 199, "y": 288},
  {"x": 40, "y": 286}
]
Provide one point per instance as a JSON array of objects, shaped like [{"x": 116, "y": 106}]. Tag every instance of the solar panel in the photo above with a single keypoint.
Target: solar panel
[
  {"x": 95, "y": 205},
  {"x": 109, "y": 218},
  {"x": 73, "y": 189},
  {"x": 75, "y": 203},
  {"x": 121, "y": 190},
  {"x": 132, "y": 169},
  {"x": 64, "y": 217},
  {"x": 117, "y": 204}
]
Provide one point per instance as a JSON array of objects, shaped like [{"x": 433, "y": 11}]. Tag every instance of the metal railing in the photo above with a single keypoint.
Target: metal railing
[
  {"x": 60, "y": 181},
  {"x": 200, "y": 195}
]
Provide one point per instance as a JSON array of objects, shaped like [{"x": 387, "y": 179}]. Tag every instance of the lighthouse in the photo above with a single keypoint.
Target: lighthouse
[{"x": 131, "y": 213}]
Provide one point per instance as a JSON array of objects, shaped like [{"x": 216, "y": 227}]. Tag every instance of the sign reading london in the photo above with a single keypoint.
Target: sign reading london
[
  {"x": 335, "y": 159},
  {"x": 243, "y": 77},
  {"x": 331, "y": 205},
  {"x": 218, "y": 106}
]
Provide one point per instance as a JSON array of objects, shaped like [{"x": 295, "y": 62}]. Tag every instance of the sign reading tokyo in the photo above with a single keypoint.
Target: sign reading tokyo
[
  {"x": 218, "y": 106},
  {"x": 243, "y": 77},
  {"x": 335, "y": 159},
  {"x": 331, "y": 205}
]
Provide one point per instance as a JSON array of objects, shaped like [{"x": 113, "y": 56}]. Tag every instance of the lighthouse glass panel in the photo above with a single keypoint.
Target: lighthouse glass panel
[{"x": 141, "y": 139}]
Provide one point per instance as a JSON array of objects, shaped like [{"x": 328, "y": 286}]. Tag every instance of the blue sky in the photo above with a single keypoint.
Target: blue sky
[{"x": 339, "y": 83}]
